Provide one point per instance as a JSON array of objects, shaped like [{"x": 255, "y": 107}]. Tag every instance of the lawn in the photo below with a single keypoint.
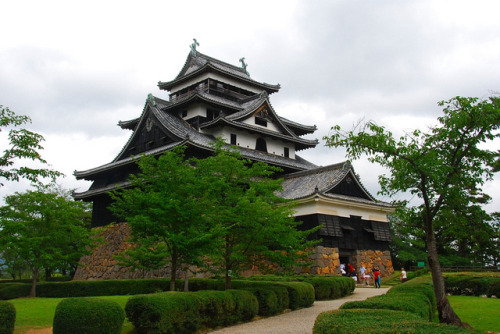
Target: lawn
[
  {"x": 37, "y": 313},
  {"x": 481, "y": 313}
]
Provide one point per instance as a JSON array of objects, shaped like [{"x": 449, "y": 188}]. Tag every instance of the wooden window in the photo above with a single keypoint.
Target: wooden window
[
  {"x": 233, "y": 139},
  {"x": 261, "y": 121},
  {"x": 261, "y": 145},
  {"x": 287, "y": 152}
]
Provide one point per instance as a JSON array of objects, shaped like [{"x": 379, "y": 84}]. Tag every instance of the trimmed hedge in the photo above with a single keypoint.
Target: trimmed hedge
[
  {"x": 418, "y": 285},
  {"x": 300, "y": 294},
  {"x": 473, "y": 286},
  {"x": 365, "y": 321},
  {"x": 186, "y": 312},
  {"x": 268, "y": 301},
  {"x": 325, "y": 287},
  {"x": 415, "y": 303},
  {"x": 14, "y": 290},
  {"x": 88, "y": 316},
  {"x": 7, "y": 318},
  {"x": 86, "y": 288}
]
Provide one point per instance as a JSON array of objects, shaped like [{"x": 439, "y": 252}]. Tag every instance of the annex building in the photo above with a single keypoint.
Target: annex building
[{"x": 210, "y": 98}]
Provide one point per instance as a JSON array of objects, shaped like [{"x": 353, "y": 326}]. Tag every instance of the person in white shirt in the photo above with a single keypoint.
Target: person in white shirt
[{"x": 403, "y": 275}]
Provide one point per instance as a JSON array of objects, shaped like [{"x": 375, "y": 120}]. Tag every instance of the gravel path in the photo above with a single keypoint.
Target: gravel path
[{"x": 300, "y": 321}]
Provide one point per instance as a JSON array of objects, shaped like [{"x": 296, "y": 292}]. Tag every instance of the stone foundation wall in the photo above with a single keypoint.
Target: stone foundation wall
[
  {"x": 374, "y": 259},
  {"x": 101, "y": 264}
]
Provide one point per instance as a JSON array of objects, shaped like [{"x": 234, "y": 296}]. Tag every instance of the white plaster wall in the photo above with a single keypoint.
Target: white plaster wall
[
  {"x": 244, "y": 139},
  {"x": 366, "y": 212},
  {"x": 196, "y": 109},
  {"x": 270, "y": 126},
  {"x": 217, "y": 77}
]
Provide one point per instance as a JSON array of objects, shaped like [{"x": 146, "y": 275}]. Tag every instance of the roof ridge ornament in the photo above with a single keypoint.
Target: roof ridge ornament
[
  {"x": 244, "y": 65},
  {"x": 151, "y": 99},
  {"x": 193, "y": 47}
]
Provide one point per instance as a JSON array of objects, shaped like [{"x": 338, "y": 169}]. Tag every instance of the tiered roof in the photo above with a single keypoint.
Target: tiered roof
[
  {"x": 162, "y": 116},
  {"x": 199, "y": 64}
]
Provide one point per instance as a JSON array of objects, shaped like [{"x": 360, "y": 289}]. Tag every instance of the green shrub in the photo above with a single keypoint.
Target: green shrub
[
  {"x": 330, "y": 287},
  {"x": 167, "y": 312},
  {"x": 268, "y": 301},
  {"x": 87, "y": 288},
  {"x": 415, "y": 303},
  {"x": 214, "y": 307},
  {"x": 326, "y": 287},
  {"x": 421, "y": 285},
  {"x": 14, "y": 290},
  {"x": 301, "y": 294},
  {"x": 365, "y": 321},
  {"x": 282, "y": 294},
  {"x": 7, "y": 318},
  {"x": 473, "y": 285},
  {"x": 197, "y": 284},
  {"x": 88, "y": 316},
  {"x": 186, "y": 312},
  {"x": 247, "y": 306}
]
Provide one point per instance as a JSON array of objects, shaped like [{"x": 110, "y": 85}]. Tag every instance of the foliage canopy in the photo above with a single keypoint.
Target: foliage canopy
[{"x": 445, "y": 167}]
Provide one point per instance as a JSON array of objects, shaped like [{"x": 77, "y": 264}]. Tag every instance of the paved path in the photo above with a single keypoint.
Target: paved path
[{"x": 300, "y": 321}]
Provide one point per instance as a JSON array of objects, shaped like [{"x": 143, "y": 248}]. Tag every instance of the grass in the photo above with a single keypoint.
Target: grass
[
  {"x": 38, "y": 313},
  {"x": 480, "y": 313}
]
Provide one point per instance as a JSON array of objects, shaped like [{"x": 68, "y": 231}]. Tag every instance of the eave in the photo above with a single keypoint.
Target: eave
[
  {"x": 299, "y": 142},
  {"x": 209, "y": 68},
  {"x": 343, "y": 206}
]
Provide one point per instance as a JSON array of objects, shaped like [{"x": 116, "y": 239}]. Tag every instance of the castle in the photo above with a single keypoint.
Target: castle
[{"x": 212, "y": 99}]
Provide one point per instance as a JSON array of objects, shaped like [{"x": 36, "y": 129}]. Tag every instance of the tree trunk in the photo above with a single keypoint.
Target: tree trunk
[
  {"x": 48, "y": 274},
  {"x": 173, "y": 272},
  {"x": 186, "y": 280},
  {"x": 227, "y": 286},
  {"x": 33, "y": 283},
  {"x": 446, "y": 313}
]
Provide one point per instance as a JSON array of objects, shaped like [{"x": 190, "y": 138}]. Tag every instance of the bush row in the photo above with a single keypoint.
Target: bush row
[
  {"x": 473, "y": 286},
  {"x": 186, "y": 312},
  {"x": 88, "y": 316},
  {"x": 7, "y": 318},
  {"x": 416, "y": 296},
  {"x": 299, "y": 294},
  {"x": 406, "y": 308},
  {"x": 86, "y": 288},
  {"x": 325, "y": 287},
  {"x": 377, "y": 321}
]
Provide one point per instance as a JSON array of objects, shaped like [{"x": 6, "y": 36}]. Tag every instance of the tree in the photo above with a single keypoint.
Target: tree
[
  {"x": 444, "y": 167},
  {"x": 45, "y": 228},
  {"x": 255, "y": 226},
  {"x": 23, "y": 144},
  {"x": 165, "y": 207}
]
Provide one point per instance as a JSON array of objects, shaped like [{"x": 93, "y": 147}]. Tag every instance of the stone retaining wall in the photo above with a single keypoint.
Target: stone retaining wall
[{"x": 101, "y": 264}]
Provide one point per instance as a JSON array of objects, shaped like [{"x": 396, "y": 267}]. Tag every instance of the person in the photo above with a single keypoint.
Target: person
[
  {"x": 376, "y": 278},
  {"x": 362, "y": 271},
  {"x": 403, "y": 275},
  {"x": 351, "y": 269},
  {"x": 342, "y": 269}
]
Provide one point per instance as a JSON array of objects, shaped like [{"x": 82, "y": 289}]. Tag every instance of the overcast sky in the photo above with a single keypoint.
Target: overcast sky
[{"x": 77, "y": 68}]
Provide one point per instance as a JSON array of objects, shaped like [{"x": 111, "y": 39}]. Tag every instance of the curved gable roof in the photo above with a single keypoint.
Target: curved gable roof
[
  {"x": 196, "y": 65},
  {"x": 320, "y": 180}
]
